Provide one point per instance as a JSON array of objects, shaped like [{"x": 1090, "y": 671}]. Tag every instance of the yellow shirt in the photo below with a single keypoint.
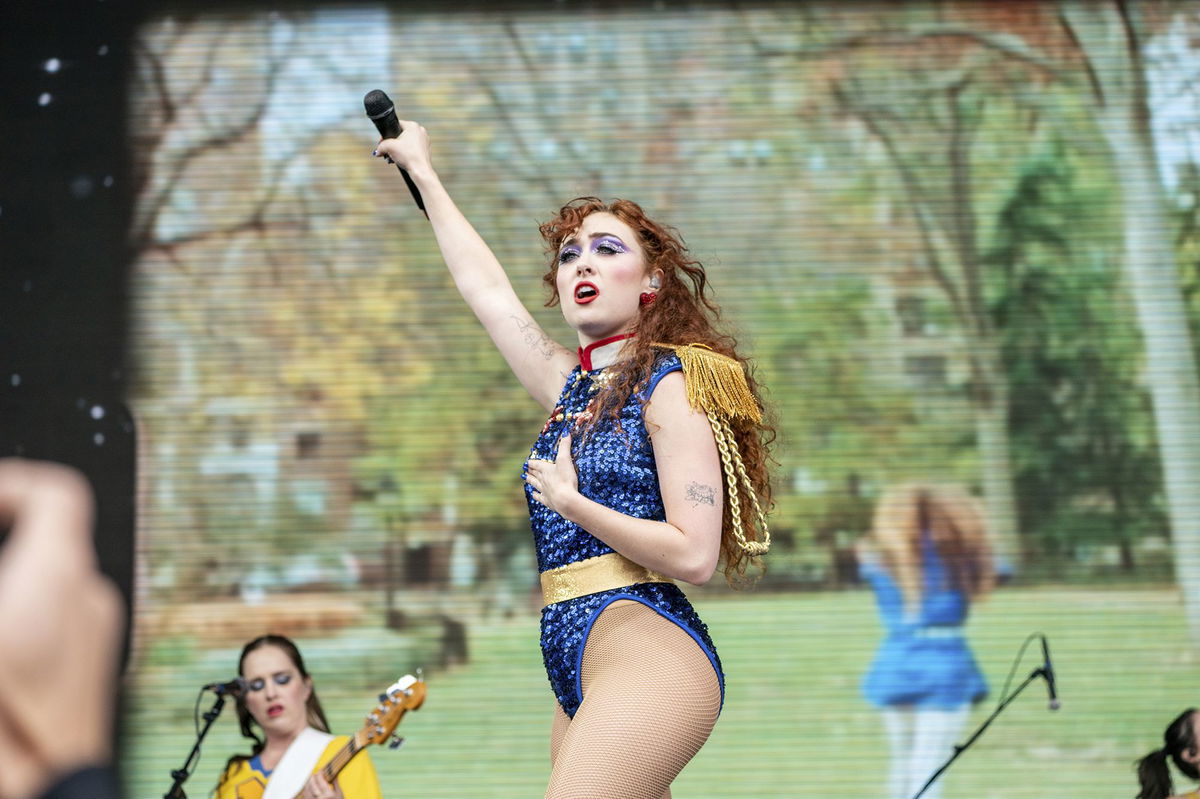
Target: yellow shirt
[{"x": 357, "y": 780}]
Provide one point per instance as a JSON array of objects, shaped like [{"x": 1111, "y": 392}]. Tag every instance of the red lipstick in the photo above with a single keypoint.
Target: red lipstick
[{"x": 585, "y": 292}]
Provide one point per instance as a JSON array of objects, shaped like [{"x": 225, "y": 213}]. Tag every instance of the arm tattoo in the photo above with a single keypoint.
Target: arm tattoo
[
  {"x": 698, "y": 494},
  {"x": 535, "y": 338}
]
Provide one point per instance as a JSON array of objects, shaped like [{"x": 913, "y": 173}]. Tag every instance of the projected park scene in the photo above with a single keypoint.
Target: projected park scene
[{"x": 955, "y": 245}]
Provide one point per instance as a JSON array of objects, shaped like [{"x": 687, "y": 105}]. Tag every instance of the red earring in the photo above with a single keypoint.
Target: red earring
[{"x": 648, "y": 297}]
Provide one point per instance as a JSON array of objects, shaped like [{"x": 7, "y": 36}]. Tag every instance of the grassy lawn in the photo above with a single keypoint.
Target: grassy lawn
[{"x": 794, "y": 722}]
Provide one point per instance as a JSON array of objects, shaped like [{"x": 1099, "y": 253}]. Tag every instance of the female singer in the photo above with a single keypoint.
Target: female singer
[
  {"x": 279, "y": 699},
  {"x": 650, "y": 469}
]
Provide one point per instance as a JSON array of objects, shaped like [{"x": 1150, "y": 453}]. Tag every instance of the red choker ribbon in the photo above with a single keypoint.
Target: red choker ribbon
[{"x": 585, "y": 353}]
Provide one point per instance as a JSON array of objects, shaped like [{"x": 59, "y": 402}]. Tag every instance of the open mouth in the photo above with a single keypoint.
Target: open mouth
[
  {"x": 274, "y": 710},
  {"x": 585, "y": 293}
]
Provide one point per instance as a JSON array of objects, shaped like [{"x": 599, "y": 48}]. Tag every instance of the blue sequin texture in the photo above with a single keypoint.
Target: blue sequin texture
[{"x": 615, "y": 464}]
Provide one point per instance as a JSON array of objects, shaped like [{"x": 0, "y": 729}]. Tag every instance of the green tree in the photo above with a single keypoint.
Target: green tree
[{"x": 1083, "y": 447}]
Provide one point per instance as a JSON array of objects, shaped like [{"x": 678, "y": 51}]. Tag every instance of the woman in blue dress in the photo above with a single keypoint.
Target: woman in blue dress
[
  {"x": 927, "y": 558},
  {"x": 650, "y": 469}
]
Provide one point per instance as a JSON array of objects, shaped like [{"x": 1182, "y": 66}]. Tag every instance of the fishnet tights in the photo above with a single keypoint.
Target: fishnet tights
[{"x": 650, "y": 700}]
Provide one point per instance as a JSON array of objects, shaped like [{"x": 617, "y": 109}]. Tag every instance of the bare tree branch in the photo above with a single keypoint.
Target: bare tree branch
[
  {"x": 963, "y": 211},
  {"x": 255, "y": 220},
  {"x": 1088, "y": 68},
  {"x": 510, "y": 125},
  {"x": 150, "y": 207},
  {"x": 1008, "y": 45},
  {"x": 206, "y": 74},
  {"x": 918, "y": 206},
  {"x": 253, "y": 223}
]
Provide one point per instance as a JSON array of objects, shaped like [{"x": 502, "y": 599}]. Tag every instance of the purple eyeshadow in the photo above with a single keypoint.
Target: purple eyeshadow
[{"x": 615, "y": 243}]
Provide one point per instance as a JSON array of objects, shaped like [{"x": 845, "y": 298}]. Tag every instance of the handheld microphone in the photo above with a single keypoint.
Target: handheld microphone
[
  {"x": 382, "y": 112},
  {"x": 235, "y": 686},
  {"x": 1048, "y": 673}
]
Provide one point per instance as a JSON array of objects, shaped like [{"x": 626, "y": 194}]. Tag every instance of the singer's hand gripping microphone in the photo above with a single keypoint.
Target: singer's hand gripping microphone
[{"x": 382, "y": 112}]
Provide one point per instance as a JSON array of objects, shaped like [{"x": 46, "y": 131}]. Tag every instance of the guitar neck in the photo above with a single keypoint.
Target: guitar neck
[
  {"x": 407, "y": 693},
  {"x": 338, "y": 762}
]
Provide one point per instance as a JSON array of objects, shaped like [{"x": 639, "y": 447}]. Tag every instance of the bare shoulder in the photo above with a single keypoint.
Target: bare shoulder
[
  {"x": 670, "y": 416},
  {"x": 669, "y": 399}
]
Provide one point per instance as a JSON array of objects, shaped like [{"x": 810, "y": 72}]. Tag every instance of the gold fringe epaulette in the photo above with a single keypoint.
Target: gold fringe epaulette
[{"x": 716, "y": 383}]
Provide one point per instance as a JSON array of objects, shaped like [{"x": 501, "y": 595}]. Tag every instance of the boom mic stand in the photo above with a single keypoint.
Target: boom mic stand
[
  {"x": 180, "y": 775},
  {"x": 1039, "y": 672}
]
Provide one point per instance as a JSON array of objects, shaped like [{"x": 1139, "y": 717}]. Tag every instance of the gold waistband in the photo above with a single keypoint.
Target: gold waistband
[{"x": 601, "y": 573}]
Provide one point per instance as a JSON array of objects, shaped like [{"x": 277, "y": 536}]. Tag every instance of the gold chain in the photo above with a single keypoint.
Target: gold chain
[{"x": 731, "y": 459}]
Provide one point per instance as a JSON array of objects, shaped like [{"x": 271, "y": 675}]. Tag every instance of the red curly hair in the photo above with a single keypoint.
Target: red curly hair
[{"x": 683, "y": 313}]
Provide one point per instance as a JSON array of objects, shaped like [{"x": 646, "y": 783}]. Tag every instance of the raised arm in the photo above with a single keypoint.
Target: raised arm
[{"x": 540, "y": 363}]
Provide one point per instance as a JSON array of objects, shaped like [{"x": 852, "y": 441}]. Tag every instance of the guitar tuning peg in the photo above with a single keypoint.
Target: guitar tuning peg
[
  {"x": 395, "y": 742},
  {"x": 383, "y": 697}
]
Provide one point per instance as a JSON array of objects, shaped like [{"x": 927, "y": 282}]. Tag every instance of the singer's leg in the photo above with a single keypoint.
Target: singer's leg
[
  {"x": 650, "y": 700},
  {"x": 557, "y": 731},
  {"x": 934, "y": 735},
  {"x": 898, "y": 727}
]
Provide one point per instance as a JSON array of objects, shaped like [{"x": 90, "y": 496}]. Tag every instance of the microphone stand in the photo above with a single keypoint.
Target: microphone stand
[
  {"x": 960, "y": 748},
  {"x": 180, "y": 775}
]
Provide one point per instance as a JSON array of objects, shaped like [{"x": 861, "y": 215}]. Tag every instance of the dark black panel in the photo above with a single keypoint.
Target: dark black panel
[{"x": 65, "y": 205}]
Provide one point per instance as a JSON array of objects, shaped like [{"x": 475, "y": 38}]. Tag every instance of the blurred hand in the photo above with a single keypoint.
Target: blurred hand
[
  {"x": 61, "y": 627},
  {"x": 318, "y": 787}
]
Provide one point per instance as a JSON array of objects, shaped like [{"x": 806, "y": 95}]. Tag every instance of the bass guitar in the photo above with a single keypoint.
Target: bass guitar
[{"x": 407, "y": 693}]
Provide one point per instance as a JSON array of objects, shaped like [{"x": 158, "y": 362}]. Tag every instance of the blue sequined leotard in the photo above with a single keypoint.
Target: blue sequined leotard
[{"x": 616, "y": 468}]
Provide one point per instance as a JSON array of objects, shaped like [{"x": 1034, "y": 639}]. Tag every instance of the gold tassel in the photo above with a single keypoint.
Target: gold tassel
[
  {"x": 735, "y": 474},
  {"x": 716, "y": 384}
]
